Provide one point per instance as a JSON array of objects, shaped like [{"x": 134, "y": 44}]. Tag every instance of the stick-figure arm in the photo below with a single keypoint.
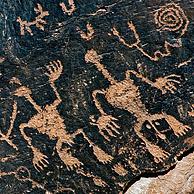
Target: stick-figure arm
[
  {"x": 97, "y": 103},
  {"x": 13, "y": 117},
  {"x": 54, "y": 70},
  {"x": 164, "y": 84},
  {"x": 58, "y": 100},
  {"x": 39, "y": 159},
  {"x": 129, "y": 72}
]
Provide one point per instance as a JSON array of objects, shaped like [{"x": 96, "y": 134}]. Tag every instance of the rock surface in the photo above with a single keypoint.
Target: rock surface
[
  {"x": 93, "y": 94},
  {"x": 179, "y": 180}
]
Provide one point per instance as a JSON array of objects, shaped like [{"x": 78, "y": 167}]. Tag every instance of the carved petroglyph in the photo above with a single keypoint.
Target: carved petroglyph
[
  {"x": 120, "y": 170},
  {"x": 171, "y": 17},
  {"x": 178, "y": 128},
  {"x": 48, "y": 121},
  {"x": 184, "y": 63},
  {"x": 191, "y": 113},
  {"x": 110, "y": 150},
  {"x": 6, "y": 173},
  {"x": 23, "y": 174},
  {"x": 15, "y": 80},
  {"x": 167, "y": 83},
  {"x": 157, "y": 54},
  {"x": 68, "y": 11},
  {"x": 105, "y": 123},
  {"x": 39, "y": 21},
  {"x": 87, "y": 35},
  {"x": 100, "y": 154},
  {"x": 18, "y": 173},
  {"x": 126, "y": 95},
  {"x": 97, "y": 180},
  {"x": 8, "y": 158},
  {"x": 6, "y": 137}
]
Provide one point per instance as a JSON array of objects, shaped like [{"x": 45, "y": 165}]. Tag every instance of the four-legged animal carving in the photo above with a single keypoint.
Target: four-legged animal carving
[
  {"x": 48, "y": 121},
  {"x": 126, "y": 95}
]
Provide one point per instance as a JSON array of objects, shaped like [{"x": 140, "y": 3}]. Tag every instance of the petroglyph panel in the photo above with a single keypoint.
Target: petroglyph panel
[{"x": 94, "y": 94}]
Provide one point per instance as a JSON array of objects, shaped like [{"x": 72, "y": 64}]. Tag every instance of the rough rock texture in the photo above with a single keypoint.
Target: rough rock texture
[
  {"x": 179, "y": 180},
  {"x": 93, "y": 94}
]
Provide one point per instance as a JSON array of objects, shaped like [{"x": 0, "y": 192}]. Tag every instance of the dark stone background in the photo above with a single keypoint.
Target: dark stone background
[{"x": 26, "y": 58}]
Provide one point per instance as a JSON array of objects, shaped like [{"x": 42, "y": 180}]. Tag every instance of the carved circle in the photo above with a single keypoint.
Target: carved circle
[
  {"x": 171, "y": 18},
  {"x": 22, "y": 173}
]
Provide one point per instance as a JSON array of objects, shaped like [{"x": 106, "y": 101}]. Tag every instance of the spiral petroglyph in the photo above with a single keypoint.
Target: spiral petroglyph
[{"x": 171, "y": 17}]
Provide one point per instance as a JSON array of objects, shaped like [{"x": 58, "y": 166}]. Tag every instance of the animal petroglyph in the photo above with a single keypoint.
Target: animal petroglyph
[
  {"x": 126, "y": 95},
  {"x": 68, "y": 11},
  {"x": 171, "y": 18},
  {"x": 39, "y": 22},
  {"x": 48, "y": 121}
]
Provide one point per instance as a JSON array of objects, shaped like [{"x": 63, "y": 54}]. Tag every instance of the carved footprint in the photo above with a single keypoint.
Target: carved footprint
[
  {"x": 178, "y": 128},
  {"x": 39, "y": 160},
  {"x": 106, "y": 123},
  {"x": 157, "y": 152},
  {"x": 70, "y": 161}
]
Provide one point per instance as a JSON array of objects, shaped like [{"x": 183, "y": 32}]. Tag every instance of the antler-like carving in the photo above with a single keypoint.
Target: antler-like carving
[{"x": 39, "y": 22}]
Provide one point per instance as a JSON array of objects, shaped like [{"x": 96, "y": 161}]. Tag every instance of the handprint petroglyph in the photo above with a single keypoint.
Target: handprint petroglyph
[
  {"x": 120, "y": 170},
  {"x": 6, "y": 137},
  {"x": 126, "y": 95},
  {"x": 106, "y": 123},
  {"x": 48, "y": 121},
  {"x": 39, "y": 22}
]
